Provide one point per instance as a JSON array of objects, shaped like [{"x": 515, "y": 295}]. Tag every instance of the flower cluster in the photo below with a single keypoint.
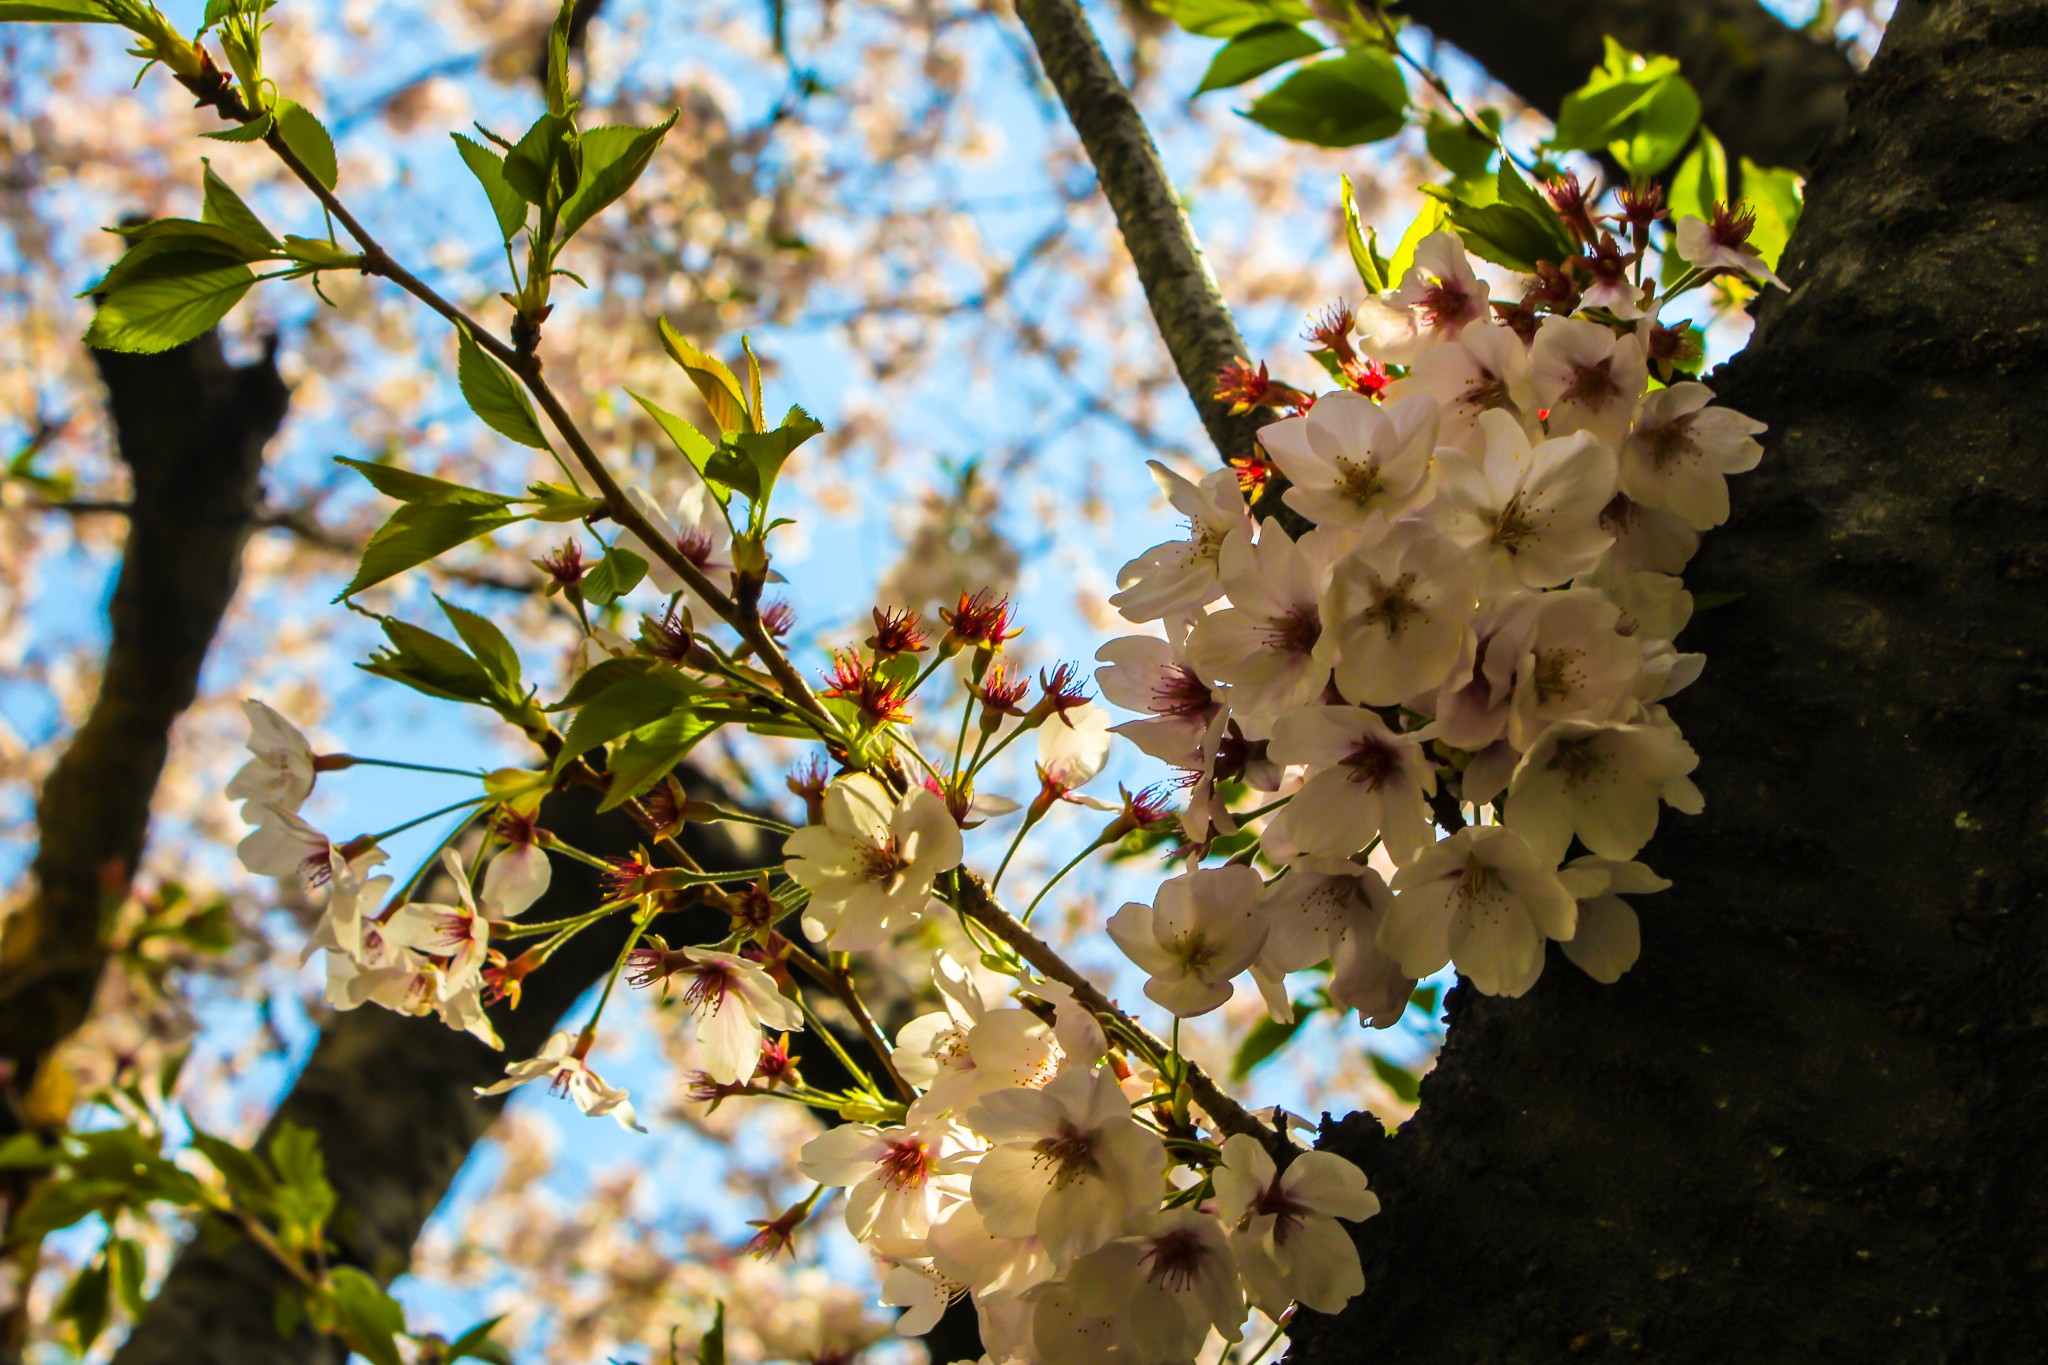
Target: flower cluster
[{"x": 1447, "y": 657}]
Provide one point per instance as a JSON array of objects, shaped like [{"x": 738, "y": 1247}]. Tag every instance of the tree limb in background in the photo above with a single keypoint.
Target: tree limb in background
[
  {"x": 1807, "y": 1125},
  {"x": 1193, "y": 319},
  {"x": 1769, "y": 91}
]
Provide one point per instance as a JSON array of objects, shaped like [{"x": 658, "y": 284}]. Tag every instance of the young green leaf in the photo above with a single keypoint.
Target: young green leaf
[
  {"x": 251, "y": 131},
  {"x": 1398, "y": 1079},
  {"x": 494, "y": 395},
  {"x": 1652, "y": 139},
  {"x": 85, "y": 1303},
  {"x": 55, "y": 12},
  {"x": 613, "y": 158},
  {"x": 1430, "y": 218},
  {"x": 166, "y": 299},
  {"x": 419, "y": 531},
  {"x": 544, "y": 161},
  {"x": 1267, "y": 1037},
  {"x": 1228, "y": 18},
  {"x": 249, "y": 1183},
  {"x": 1254, "y": 52},
  {"x": 1363, "y": 245},
  {"x": 370, "y": 1319},
  {"x": 617, "y": 574},
  {"x": 321, "y": 253},
  {"x": 427, "y": 663},
  {"x": 476, "y": 1344},
  {"x": 129, "y": 1268},
  {"x": 711, "y": 1348},
  {"x": 489, "y": 169},
  {"x": 407, "y": 486},
  {"x": 488, "y": 644},
  {"x": 629, "y": 703},
  {"x": 1776, "y": 195},
  {"x": 648, "y": 753},
  {"x": 697, "y": 448},
  {"x": 1701, "y": 180},
  {"x": 770, "y": 450},
  {"x": 308, "y": 139},
  {"x": 225, "y": 207},
  {"x": 1459, "y": 148},
  {"x": 717, "y": 383},
  {"x": 1343, "y": 101}
]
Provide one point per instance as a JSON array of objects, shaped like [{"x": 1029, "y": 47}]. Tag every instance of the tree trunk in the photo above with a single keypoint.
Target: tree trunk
[{"x": 1806, "y": 1127}]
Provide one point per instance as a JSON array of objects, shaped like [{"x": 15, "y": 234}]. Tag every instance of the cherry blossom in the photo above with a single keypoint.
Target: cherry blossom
[
  {"x": 1165, "y": 1286},
  {"x": 1201, "y": 930},
  {"x": 732, "y": 1000},
  {"x": 1483, "y": 899},
  {"x": 1437, "y": 300},
  {"x": 1530, "y": 514},
  {"x": 1290, "y": 1246},
  {"x": 1399, "y": 612},
  {"x": 1366, "y": 782},
  {"x": 280, "y": 771},
  {"x": 1181, "y": 576},
  {"x": 1589, "y": 377},
  {"x": 1269, "y": 644},
  {"x": 1601, "y": 781},
  {"x": 1484, "y": 370},
  {"x": 972, "y": 1046},
  {"x": 1681, "y": 452},
  {"x": 869, "y": 867},
  {"x": 1723, "y": 244},
  {"x": 698, "y": 532},
  {"x": 560, "y": 1061},
  {"x": 897, "y": 1179},
  {"x": 1353, "y": 463},
  {"x": 1609, "y": 938},
  {"x": 1577, "y": 664},
  {"x": 1155, "y": 677}
]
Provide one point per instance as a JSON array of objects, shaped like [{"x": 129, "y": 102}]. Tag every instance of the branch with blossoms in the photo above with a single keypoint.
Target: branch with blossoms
[{"x": 1396, "y": 713}]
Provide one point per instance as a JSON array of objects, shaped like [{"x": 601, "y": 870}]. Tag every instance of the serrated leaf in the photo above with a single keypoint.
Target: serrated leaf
[
  {"x": 488, "y": 167},
  {"x": 308, "y": 139},
  {"x": 1430, "y": 218},
  {"x": 179, "y": 234},
  {"x": 629, "y": 703},
  {"x": 417, "y": 532},
  {"x": 406, "y": 486},
  {"x": 1364, "y": 247},
  {"x": 1343, "y": 101},
  {"x": 251, "y": 131},
  {"x": 1659, "y": 131},
  {"x": 605, "y": 673},
  {"x": 1459, "y": 148},
  {"x": 1228, "y": 18},
  {"x": 648, "y": 753},
  {"x": 494, "y": 395},
  {"x": 305, "y": 1199},
  {"x": 166, "y": 300},
  {"x": 542, "y": 159},
  {"x": 321, "y": 253},
  {"x": 55, "y": 12},
  {"x": 697, "y": 448},
  {"x": 717, "y": 383},
  {"x": 613, "y": 158},
  {"x": 370, "y": 1319},
  {"x": 1254, "y": 52},
  {"x": 617, "y": 574},
  {"x": 217, "y": 10},
  {"x": 427, "y": 663},
  {"x": 770, "y": 450},
  {"x": 225, "y": 207},
  {"x": 487, "y": 643}
]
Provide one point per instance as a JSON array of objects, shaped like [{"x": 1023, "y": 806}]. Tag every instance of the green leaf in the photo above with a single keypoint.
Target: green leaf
[
  {"x": 55, "y": 12},
  {"x": 305, "y": 1199},
  {"x": 648, "y": 753},
  {"x": 85, "y": 1302},
  {"x": 1398, "y": 1079},
  {"x": 370, "y": 1319},
  {"x": 1432, "y": 218},
  {"x": 711, "y": 1348},
  {"x": 1701, "y": 180},
  {"x": 251, "y": 131},
  {"x": 1518, "y": 229},
  {"x": 1776, "y": 195},
  {"x": 1338, "y": 102},
  {"x": 59, "y": 1203},
  {"x": 617, "y": 574},
  {"x": 1639, "y": 109},
  {"x": 697, "y": 448},
  {"x": 487, "y": 643},
  {"x": 1254, "y": 52},
  {"x": 543, "y": 161},
  {"x": 557, "y": 81},
  {"x": 494, "y": 395},
  {"x": 476, "y": 1344},
  {"x": 308, "y": 139},
  {"x": 321, "y": 253},
  {"x": 427, "y": 663},
  {"x": 770, "y": 450},
  {"x": 1459, "y": 148},
  {"x": 166, "y": 235},
  {"x": 1267, "y": 1037},
  {"x": 407, "y": 486},
  {"x": 489, "y": 169},
  {"x": 166, "y": 300},
  {"x": 1363, "y": 245},
  {"x": 1228, "y": 18},
  {"x": 1659, "y": 131},
  {"x": 631, "y": 702},
  {"x": 129, "y": 1268},
  {"x": 225, "y": 207},
  {"x": 27, "y": 1152},
  {"x": 417, "y": 532},
  {"x": 714, "y": 380},
  {"x": 613, "y": 158},
  {"x": 251, "y": 1186},
  {"x": 217, "y": 10}
]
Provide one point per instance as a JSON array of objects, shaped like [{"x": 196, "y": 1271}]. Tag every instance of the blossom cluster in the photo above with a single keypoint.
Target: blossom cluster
[{"x": 1448, "y": 657}]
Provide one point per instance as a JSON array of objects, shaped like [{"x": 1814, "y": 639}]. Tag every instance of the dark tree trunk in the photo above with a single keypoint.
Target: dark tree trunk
[{"x": 1807, "y": 1126}]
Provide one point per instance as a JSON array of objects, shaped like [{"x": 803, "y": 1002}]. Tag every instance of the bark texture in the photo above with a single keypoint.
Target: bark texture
[
  {"x": 1769, "y": 91},
  {"x": 1185, "y": 302},
  {"x": 1807, "y": 1126},
  {"x": 392, "y": 1100}
]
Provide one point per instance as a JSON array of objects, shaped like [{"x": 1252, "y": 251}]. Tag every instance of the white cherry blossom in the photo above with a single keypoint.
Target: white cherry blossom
[
  {"x": 1437, "y": 300},
  {"x": 1352, "y": 462},
  {"x": 1472, "y": 708},
  {"x": 1182, "y": 576},
  {"x": 284, "y": 845},
  {"x": 870, "y": 866},
  {"x": 1484, "y": 370},
  {"x": 997, "y": 1269},
  {"x": 560, "y": 1062},
  {"x": 1610, "y": 937},
  {"x": 1400, "y": 612},
  {"x": 1073, "y": 746},
  {"x": 972, "y": 1046},
  {"x": 1365, "y": 781},
  {"x": 1646, "y": 539},
  {"x": 1483, "y": 899},
  {"x": 1154, "y": 677},
  {"x": 1165, "y": 1286},
  {"x": 1681, "y": 452},
  {"x": 1530, "y": 514},
  {"x": 732, "y": 1000},
  {"x": 1331, "y": 908},
  {"x": 1068, "y": 1166},
  {"x": 1588, "y": 377},
  {"x": 1202, "y": 929},
  {"x": 280, "y": 771},
  {"x": 1269, "y": 644},
  {"x": 1290, "y": 1246},
  {"x": 1601, "y": 781},
  {"x": 896, "y": 1179},
  {"x": 698, "y": 531},
  {"x": 1723, "y": 244},
  {"x": 1577, "y": 665},
  {"x": 460, "y": 933}
]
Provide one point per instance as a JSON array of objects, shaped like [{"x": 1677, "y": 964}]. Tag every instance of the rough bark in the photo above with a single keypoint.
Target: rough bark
[
  {"x": 1769, "y": 91},
  {"x": 392, "y": 1100},
  {"x": 1806, "y": 1127},
  {"x": 1183, "y": 296}
]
